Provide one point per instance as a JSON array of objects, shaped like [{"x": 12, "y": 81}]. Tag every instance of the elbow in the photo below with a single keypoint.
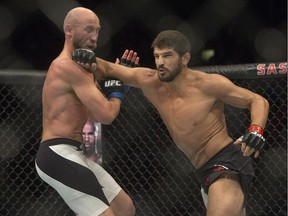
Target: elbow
[
  {"x": 261, "y": 102},
  {"x": 109, "y": 117},
  {"x": 105, "y": 118},
  {"x": 108, "y": 112},
  {"x": 266, "y": 104},
  {"x": 108, "y": 121}
]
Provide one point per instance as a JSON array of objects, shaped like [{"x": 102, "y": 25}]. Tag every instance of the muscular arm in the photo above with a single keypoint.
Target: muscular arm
[
  {"x": 82, "y": 82},
  {"x": 136, "y": 77},
  {"x": 224, "y": 90}
]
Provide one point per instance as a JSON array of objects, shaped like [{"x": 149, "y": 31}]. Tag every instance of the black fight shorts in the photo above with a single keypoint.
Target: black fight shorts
[
  {"x": 229, "y": 160},
  {"x": 84, "y": 185}
]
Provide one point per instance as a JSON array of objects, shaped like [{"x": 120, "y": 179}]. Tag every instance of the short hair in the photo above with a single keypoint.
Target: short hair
[
  {"x": 91, "y": 123},
  {"x": 172, "y": 39}
]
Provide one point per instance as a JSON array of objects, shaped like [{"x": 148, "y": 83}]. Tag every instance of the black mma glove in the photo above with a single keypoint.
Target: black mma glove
[
  {"x": 254, "y": 137},
  {"x": 128, "y": 63},
  {"x": 112, "y": 88},
  {"x": 84, "y": 56}
]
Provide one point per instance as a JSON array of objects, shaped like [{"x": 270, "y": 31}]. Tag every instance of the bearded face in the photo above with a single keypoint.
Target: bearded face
[{"x": 170, "y": 73}]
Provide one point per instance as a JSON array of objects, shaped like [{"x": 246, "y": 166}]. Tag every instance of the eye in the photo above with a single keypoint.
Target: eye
[{"x": 90, "y": 29}]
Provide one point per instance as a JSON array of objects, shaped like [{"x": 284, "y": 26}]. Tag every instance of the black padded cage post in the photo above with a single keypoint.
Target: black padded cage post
[{"x": 138, "y": 150}]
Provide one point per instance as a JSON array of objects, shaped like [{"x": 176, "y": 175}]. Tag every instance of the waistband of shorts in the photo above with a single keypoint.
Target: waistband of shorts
[
  {"x": 222, "y": 151},
  {"x": 57, "y": 141}
]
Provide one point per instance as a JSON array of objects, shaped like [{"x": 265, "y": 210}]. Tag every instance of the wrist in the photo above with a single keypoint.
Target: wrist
[
  {"x": 118, "y": 95},
  {"x": 256, "y": 128}
]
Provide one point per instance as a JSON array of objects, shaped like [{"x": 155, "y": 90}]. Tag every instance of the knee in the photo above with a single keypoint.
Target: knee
[
  {"x": 126, "y": 208},
  {"x": 122, "y": 205},
  {"x": 131, "y": 211}
]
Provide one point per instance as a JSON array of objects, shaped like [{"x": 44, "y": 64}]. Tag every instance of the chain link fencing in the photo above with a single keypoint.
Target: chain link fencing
[{"x": 137, "y": 152}]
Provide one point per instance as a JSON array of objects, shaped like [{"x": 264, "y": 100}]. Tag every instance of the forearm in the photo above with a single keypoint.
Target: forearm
[
  {"x": 108, "y": 69},
  {"x": 125, "y": 74},
  {"x": 113, "y": 110},
  {"x": 259, "y": 111},
  {"x": 109, "y": 114},
  {"x": 102, "y": 70}
]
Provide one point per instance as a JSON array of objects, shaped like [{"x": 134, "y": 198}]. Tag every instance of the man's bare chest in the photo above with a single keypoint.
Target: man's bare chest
[{"x": 186, "y": 112}]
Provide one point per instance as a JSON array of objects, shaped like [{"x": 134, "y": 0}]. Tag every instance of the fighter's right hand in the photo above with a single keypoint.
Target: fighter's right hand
[
  {"x": 252, "y": 141},
  {"x": 86, "y": 58},
  {"x": 112, "y": 88}
]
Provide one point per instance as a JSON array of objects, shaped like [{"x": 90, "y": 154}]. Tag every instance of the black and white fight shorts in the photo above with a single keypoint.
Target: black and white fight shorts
[
  {"x": 83, "y": 184},
  {"x": 229, "y": 160}
]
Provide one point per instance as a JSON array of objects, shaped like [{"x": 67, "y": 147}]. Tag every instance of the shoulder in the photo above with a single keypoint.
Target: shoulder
[
  {"x": 211, "y": 78},
  {"x": 211, "y": 82},
  {"x": 64, "y": 75},
  {"x": 146, "y": 77},
  {"x": 66, "y": 69},
  {"x": 61, "y": 64}
]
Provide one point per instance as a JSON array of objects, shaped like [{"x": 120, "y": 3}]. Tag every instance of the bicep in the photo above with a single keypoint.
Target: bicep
[
  {"x": 238, "y": 97},
  {"x": 229, "y": 93},
  {"x": 130, "y": 76}
]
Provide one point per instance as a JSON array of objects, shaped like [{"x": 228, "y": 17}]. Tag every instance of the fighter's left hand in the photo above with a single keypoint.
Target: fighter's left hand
[
  {"x": 129, "y": 59},
  {"x": 86, "y": 58},
  {"x": 252, "y": 141}
]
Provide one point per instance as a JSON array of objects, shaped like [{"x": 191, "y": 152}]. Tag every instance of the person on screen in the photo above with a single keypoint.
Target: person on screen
[{"x": 92, "y": 141}]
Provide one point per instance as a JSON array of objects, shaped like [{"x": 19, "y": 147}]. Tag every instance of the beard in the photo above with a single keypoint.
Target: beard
[
  {"x": 171, "y": 76},
  {"x": 90, "y": 149}
]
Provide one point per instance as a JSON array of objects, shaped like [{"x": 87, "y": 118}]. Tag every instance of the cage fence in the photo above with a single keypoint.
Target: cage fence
[{"x": 138, "y": 151}]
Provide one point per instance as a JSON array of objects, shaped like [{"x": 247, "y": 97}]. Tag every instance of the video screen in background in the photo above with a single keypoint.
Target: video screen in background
[{"x": 92, "y": 141}]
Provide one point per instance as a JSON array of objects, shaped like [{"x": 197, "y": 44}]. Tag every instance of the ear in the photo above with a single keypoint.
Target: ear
[
  {"x": 186, "y": 58},
  {"x": 68, "y": 30}
]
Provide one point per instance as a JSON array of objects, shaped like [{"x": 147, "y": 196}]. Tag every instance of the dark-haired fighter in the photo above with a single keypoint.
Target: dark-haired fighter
[{"x": 191, "y": 104}]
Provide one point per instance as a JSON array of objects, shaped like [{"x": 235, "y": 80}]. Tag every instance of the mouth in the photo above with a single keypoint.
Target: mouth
[
  {"x": 91, "y": 47},
  {"x": 161, "y": 71}
]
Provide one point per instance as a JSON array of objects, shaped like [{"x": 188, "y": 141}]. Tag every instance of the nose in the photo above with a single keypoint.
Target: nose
[
  {"x": 94, "y": 37},
  {"x": 159, "y": 61},
  {"x": 85, "y": 137}
]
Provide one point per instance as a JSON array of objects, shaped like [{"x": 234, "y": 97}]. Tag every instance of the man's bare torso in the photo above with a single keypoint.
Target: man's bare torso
[
  {"x": 63, "y": 113},
  {"x": 195, "y": 120}
]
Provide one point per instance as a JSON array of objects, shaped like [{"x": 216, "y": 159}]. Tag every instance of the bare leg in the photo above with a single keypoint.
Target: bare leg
[
  {"x": 225, "y": 197},
  {"x": 108, "y": 212},
  {"x": 122, "y": 205}
]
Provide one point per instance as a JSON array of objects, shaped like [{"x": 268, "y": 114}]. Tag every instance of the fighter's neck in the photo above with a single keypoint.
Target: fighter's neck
[{"x": 178, "y": 85}]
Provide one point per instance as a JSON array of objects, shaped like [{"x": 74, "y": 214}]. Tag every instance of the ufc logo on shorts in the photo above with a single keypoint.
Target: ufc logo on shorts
[{"x": 112, "y": 83}]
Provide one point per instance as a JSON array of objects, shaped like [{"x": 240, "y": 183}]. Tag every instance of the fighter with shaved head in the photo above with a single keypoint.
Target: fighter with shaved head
[{"x": 70, "y": 97}]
